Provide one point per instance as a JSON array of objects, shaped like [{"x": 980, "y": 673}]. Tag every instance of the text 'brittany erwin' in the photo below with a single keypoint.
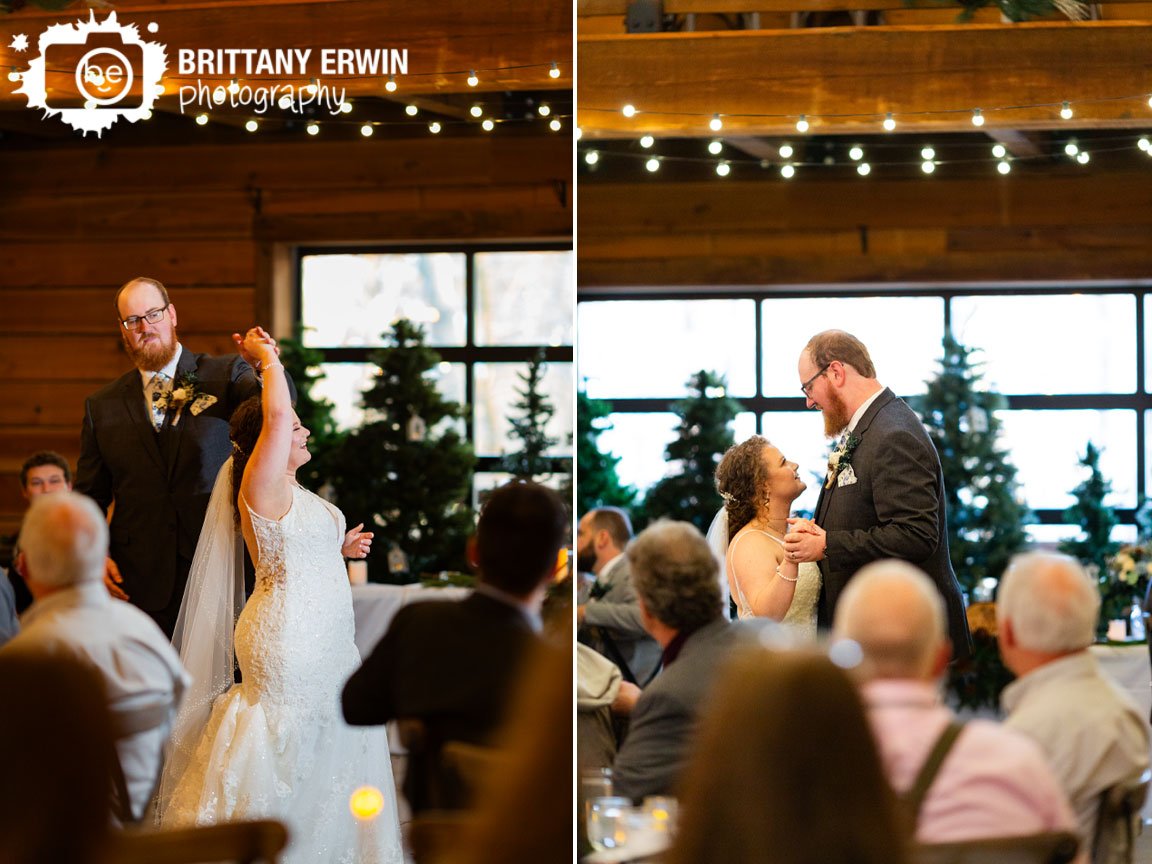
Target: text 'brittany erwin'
[{"x": 292, "y": 61}]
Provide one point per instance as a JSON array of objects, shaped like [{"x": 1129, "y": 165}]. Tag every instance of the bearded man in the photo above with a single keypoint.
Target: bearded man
[
  {"x": 883, "y": 496},
  {"x": 152, "y": 443}
]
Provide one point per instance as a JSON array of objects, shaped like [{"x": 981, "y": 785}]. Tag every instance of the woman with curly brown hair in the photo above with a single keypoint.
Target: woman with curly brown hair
[{"x": 758, "y": 486}]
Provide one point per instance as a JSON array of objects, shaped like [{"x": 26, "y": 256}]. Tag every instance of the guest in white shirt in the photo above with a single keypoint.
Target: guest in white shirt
[
  {"x": 993, "y": 782},
  {"x": 64, "y": 540},
  {"x": 1091, "y": 732}
]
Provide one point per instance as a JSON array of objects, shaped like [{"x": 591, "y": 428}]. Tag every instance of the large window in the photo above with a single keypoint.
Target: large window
[
  {"x": 486, "y": 310},
  {"x": 1074, "y": 364}
]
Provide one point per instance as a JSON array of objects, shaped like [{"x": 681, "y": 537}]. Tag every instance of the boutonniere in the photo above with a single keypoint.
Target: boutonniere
[
  {"x": 841, "y": 458},
  {"x": 185, "y": 390}
]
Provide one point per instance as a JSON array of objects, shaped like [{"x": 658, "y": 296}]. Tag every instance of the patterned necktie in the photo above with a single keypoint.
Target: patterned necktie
[{"x": 157, "y": 387}]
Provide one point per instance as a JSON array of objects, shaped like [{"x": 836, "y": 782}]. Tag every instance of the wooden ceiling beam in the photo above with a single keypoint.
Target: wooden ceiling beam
[{"x": 845, "y": 79}]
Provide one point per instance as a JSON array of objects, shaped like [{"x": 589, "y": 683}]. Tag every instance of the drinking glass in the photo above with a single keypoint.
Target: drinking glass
[{"x": 607, "y": 817}]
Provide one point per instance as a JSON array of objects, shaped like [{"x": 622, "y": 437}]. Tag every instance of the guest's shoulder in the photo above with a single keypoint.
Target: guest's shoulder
[{"x": 1009, "y": 747}]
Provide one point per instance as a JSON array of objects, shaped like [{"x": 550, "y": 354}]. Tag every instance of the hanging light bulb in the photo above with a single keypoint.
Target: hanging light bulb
[
  {"x": 411, "y": 110},
  {"x": 889, "y": 122},
  {"x": 1004, "y": 167},
  {"x": 628, "y": 110},
  {"x": 715, "y": 146},
  {"x": 472, "y": 79},
  {"x": 856, "y": 153},
  {"x": 591, "y": 157},
  {"x": 927, "y": 154},
  {"x": 543, "y": 109},
  {"x": 579, "y": 133},
  {"x": 723, "y": 169},
  {"x": 476, "y": 111},
  {"x": 488, "y": 125},
  {"x": 434, "y": 127},
  {"x": 927, "y": 167},
  {"x": 647, "y": 141},
  {"x": 366, "y": 130},
  {"x": 201, "y": 119},
  {"x": 14, "y": 75},
  {"x": 312, "y": 87},
  {"x": 313, "y": 128},
  {"x": 999, "y": 151},
  {"x": 786, "y": 151},
  {"x": 234, "y": 87},
  {"x": 390, "y": 84},
  {"x": 1082, "y": 157},
  {"x": 802, "y": 124},
  {"x": 251, "y": 125},
  {"x": 715, "y": 124},
  {"x": 554, "y": 72},
  {"x": 787, "y": 171},
  {"x": 653, "y": 165},
  {"x": 554, "y": 124},
  {"x": 1071, "y": 148},
  {"x": 1066, "y": 111},
  {"x": 863, "y": 169},
  {"x": 977, "y": 117},
  {"x": 1143, "y": 144},
  {"x": 345, "y": 107}
]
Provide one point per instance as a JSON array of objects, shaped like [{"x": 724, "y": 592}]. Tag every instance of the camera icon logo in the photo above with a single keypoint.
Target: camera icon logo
[{"x": 95, "y": 72}]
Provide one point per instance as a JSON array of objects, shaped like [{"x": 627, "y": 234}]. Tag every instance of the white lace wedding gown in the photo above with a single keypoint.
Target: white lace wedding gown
[
  {"x": 801, "y": 615},
  {"x": 276, "y": 745}
]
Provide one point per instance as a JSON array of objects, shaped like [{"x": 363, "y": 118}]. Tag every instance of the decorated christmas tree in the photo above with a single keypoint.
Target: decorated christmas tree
[
  {"x": 407, "y": 472},
  {"x": 529, "y": 426},
  {"x": 597, "y": 484},
  {"x": 315, "y": 413},
  {"x": 704, "y": 433},
  {"x": 985, "y": 512}
]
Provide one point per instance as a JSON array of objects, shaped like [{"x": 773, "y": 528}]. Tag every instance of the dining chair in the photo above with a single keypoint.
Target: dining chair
[
  {"x": 1049, "y": 847},
  {"x": 1114, "y": 839}
]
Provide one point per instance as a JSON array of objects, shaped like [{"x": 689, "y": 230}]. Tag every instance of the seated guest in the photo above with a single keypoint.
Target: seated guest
[
  {"x": 610, "y": 620},
  {"x": 992, "y": 782},
  {"x": 64, "y": 542},
  {"x": 1091, "y": 732},
  {"x": 602, "y": 696},
  {"x": 785, "y": 770},
  {"x": 675, "y": 575},
  {"x": 9, "y": 623},
  {"x": 42, "y": 473},
  {"x": 56, "y": 787},
  {"x": 454, "y": 665}
]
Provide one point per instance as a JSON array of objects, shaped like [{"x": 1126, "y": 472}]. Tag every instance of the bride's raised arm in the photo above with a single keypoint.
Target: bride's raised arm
[{"x": 266, "y": 485}]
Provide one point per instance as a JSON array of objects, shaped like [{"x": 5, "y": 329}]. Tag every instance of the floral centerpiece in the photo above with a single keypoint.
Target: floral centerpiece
[{"x": 1124, "y": 580}]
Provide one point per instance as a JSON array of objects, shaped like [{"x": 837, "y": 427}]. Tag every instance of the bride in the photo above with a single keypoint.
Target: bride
[
  {"x": 275, "y": 745},
  {"x": 758, "y": 486}
]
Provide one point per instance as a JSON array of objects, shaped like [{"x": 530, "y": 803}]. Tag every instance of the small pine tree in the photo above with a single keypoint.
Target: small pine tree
[
  {"x": 530, "y": 426},
  {"x": 597, "y": 484},
  {"x": 407, "y": 472},
  {"x": 985, "y": 515},
  {"x": 325, "y": 439},
  {"x": 705, "y": 432},
  {"x": 1095, "y": 546}
]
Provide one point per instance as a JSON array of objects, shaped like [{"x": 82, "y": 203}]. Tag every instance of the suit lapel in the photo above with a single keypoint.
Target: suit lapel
[
  {"x": 185, "y": 366},
  {"x": 886, "y": 396},
  {"x": 133, "y": 393}
]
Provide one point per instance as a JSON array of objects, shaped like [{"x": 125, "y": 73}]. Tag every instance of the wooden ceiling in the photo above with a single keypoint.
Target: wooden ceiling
[
  {"x": 511, "y": 44},
  {"x": 929, "y": 75}
]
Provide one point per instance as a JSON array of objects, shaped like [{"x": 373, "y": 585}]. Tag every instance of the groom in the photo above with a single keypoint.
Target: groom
[
  {"x": 151, "y": 445},
  {"x": 883, "y": 496}
]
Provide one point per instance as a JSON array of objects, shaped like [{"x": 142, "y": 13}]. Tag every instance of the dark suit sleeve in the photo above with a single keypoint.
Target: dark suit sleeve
[
  {"x": 245, "y": 383},
  {"x": 92, "y": 475},
  {"x": 649, "y": 761},
  {"x": 367, "y": 696},
  {"x": 904, "y": 496}
]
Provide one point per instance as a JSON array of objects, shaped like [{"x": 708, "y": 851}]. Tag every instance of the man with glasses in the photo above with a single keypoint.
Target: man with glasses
[
  {"x": 152, "y": 443},
  {"x": 883, "y": 496}
]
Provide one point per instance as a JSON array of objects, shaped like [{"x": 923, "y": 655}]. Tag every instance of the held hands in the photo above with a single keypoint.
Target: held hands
[
  {"x": 805, "y": 541},
  {"x": 257, "y": 347},
  {"x": 357, "y": 543}
]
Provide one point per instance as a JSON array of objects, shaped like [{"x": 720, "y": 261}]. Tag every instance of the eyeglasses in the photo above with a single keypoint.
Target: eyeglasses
[
  {"x": 152, "y": 316},
  {"x": 806, "y": 387}
]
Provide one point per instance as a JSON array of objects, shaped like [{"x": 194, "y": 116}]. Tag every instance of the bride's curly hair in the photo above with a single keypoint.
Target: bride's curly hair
[
  {"x": 243, "y": 430},
  {"x": 741, "y": 478}
]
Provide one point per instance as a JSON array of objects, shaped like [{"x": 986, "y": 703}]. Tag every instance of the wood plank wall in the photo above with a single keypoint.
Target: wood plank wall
[
  {"x": 1049, "y": 226},
  {"x": 76, "y": 222}
]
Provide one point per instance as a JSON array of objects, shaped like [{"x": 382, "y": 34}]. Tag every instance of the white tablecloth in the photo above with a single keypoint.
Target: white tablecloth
[
  {"x": 376, "y": 605},
  {"x": 1131, "y": 668}
]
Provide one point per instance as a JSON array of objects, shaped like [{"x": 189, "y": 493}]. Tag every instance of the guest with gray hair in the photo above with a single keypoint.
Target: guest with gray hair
[
  {"x": 675, "y": 576},
  {"x": 959, "y": 781},
  {"x": 64, "y": 540},
  {"x": 1092, "y": 733}
]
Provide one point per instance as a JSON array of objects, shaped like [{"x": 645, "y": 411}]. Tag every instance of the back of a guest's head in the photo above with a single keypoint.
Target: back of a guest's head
[
  {"x": 1051, "y": 602},
  {"x": 675, "y": 575},
  {"x": 896, "y": 615},
  {"x": 521, "y": 530},
  {"x": 65, "y": 540},
  {"x": 831, "y": 345},
  {"x": 785, "y": 770},
  {"x": 613, "y": 520},
  {"x": 55, "y": 789}
]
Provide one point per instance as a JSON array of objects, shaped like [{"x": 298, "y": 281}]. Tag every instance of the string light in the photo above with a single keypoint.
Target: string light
[
  {"x": 201, "y": 119},
  {"x": 1071, "y": 148},
  {"x": 366, "y": 130},
  {"x": 476, "y": 111},
  {"x": 472, "y": 79},
  {"x": 14, "y": 75},
  {"x": 856, "y": 153},
  {"x": 345, "y": 107},
  {"x": 411, "y": 110},
  {"x": 251, "y": 125},
  {"x": 543, "y": 109},
  {"x": 653, "y": 165},
  {"x": 390, "y": 84},
  {"x": 1082, "y": 157},
  {"x": 802, "y": 124},
  {"x": 285, "y": 102},
  {"x": 977, "y": 117},
  {"x": 591, "y": 157},
  {"x": 863, "y": 169},
  {"x": 1143, "y": 144},
  {"x": 1004, "y": 167},
  {"x": 313, "y": 128},
  {"x": 999, "y": 151},
  {"x": 312, "y": 87},
  {"x": 488, "y": 125},
  {"x": 723, "y": 169},
  {"x": 234, "y": 87},
  {"x": 928, "y": 166},
  {"x": 1066, "y": 111},
  {"x": 715, "y": 146},
  {"x": 628, "y": 110},
  {"x": 147, "y": 113},
  {"x": 889, "y": 122},
  {"x": 555, "y": 125},
  {"x": 554, "y": 72},
  {"x": 434, "y": 127},
  {"x": 579, "y": 133},
  {"x": 1150, "y": 101},
  {"x": 787, "y": 171},
  {"x": 927, "y": 154},
  {"x": 647, "y": 141},
  {"x": 715, "y": 124},
  {"x": 786, "y": 151}
]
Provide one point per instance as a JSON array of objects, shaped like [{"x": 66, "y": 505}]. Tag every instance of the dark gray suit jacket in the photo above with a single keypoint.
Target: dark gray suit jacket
[
  {"x": 618, "y": 613},
  {"x": 160, "y": 482},
  {"x": 895, "y": 509},
  {"x": 664, "y": 720}
]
